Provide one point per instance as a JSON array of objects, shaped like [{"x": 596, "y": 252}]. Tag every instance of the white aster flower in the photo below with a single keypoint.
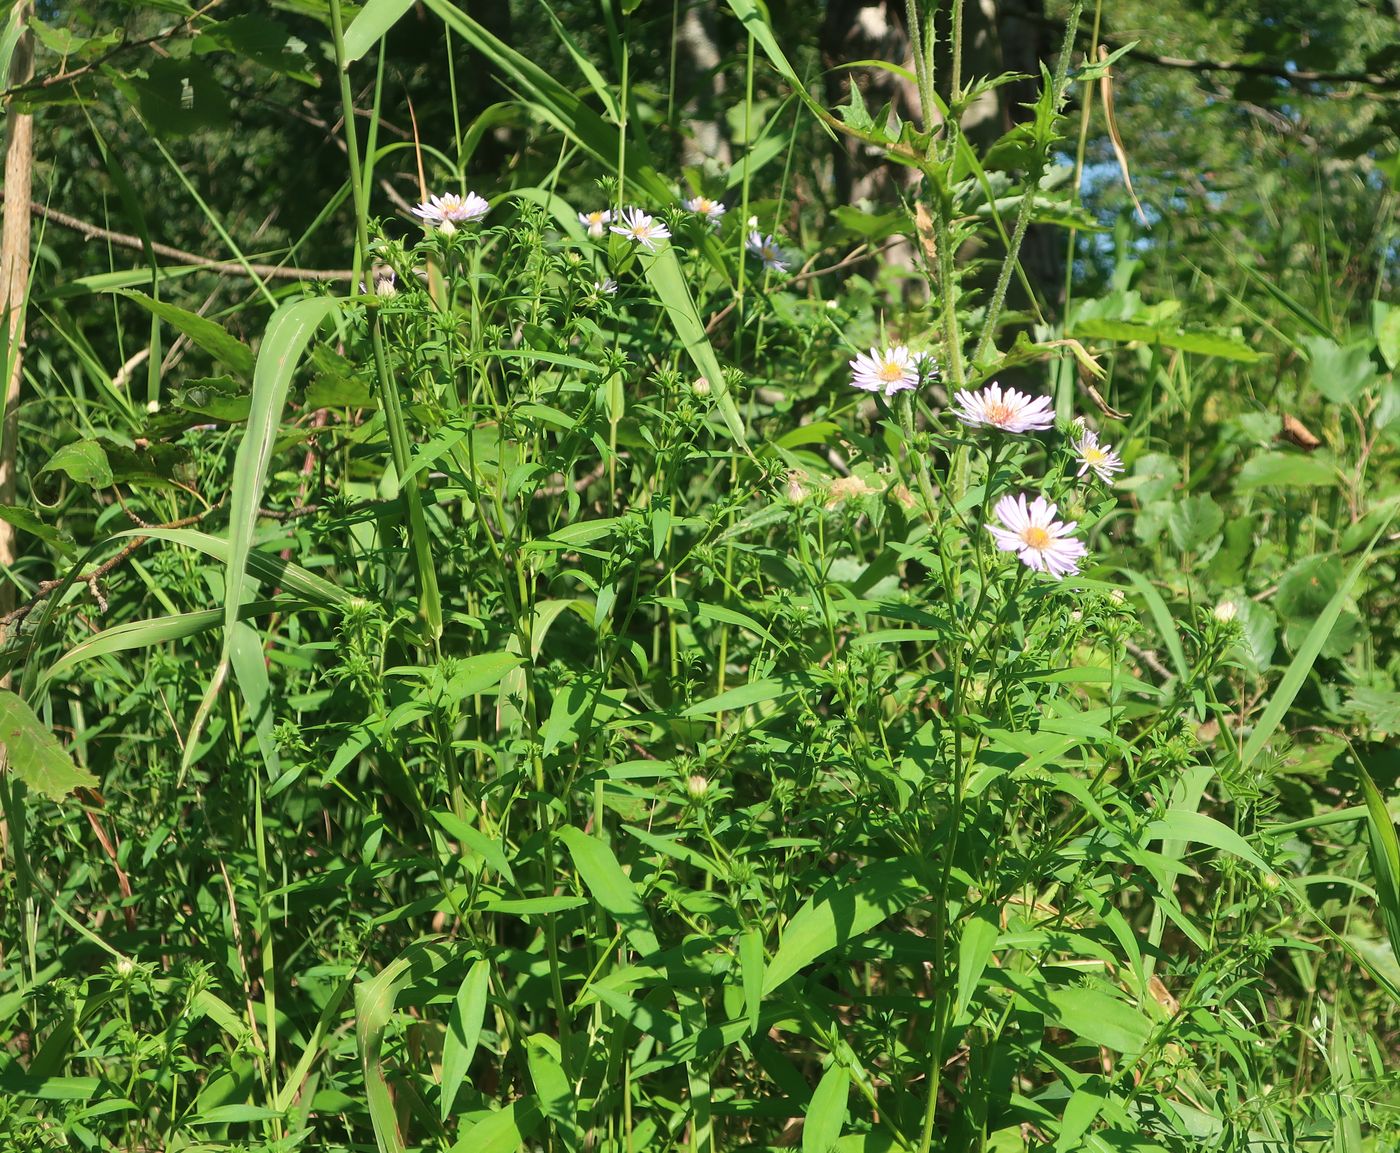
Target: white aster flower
[
  {"x": 645, "y": 230},
  {"x": 1226, "y": 611},
  {"x": 449, "y": 210},
  {"x": 596, "y": 222},
  {"x": 605, "y": 287},
  {"x": 767, "y": 250},
  {"x": 1011, "y": 412},
  {"x": 1032, "y": 532},
  {"x": 894, "y": 370},
  {"x": 711, "y": 210},
  {"x": 1099, "y": 457}
]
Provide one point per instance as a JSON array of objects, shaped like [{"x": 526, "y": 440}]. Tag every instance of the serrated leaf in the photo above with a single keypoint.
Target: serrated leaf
[{"x": 34, "y": 754}]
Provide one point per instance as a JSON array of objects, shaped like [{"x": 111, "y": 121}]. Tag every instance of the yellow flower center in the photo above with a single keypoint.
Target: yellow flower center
[
  {"x": 1035, "y": 537},
  {"x": 1095, "y": 455},
  {"x": 891, "y": 371},
  {"x": 595, "y": 218},
  {"x": 998, "y": 413}
]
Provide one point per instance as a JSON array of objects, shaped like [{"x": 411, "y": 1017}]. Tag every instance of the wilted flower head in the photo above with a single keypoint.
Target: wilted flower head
[
  {"x": 1011, "y": 412},
  {"x": 1099, "y": 457},
  {"x": 711, "y": 210},
  {"x": 449, "y": 210},
  {"x": 596, "y": 222},
  {"x": 845, "y": 488},
  {"x": 894, "y": 370},
  {"x": 1032, "y": 532},
  {"x": 795, "y": 490},
  {"x": 645, "y": 230},
  {"x": 767, "y": 250}
]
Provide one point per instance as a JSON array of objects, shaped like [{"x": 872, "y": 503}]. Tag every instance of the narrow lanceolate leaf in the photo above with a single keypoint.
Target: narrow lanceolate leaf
[
  {"x": 838, "y": 913},
  {"x": 1384, "y": 848},
  {"x": 1297, "y": 672},
  {"x": 33, "y": 754},
  {"x": 826, "y": 1112},
  {"x": 288, "y": 333},
  {"x": 611, "y": 888},
  {"x": 557, "y": 1098},
  {"x": 663, "y": 271},
  {"x": 370, "y": 24},
  {"x": 463, "y": 1032},
  {"x": 374, "y": 1009},
  {"x": 212, "y": 337}
]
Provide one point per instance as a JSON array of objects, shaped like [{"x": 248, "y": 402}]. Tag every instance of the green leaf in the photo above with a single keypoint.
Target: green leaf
[
  {"x": 1100, "y": 1019},
  {"x": 504, "y": 1131},
  {"x": 1385, "y": 325},
  {"x": 837, "y": 913},
  {"x": 826, "y": 1112},
  {"x": 34, "y": 754},
  {"x": 180, "y": 96},
  {"x": 753, "y": 693},
  {"x": 1285, "y": 470},
  {"x": 611, "y": 887},
  {"x": 1341, "y": 373},
  {"x": 25, "y": 520},
  {"x": 288, "y": 333},
  {"x": 1383, "y": 849},
  {"x": 979, "y": 937},
  {"x": 374, "y": 1009},
  {"x": 85, "y": 461},
  {"x": 157, "y": 631},
  {"x": 557, "y": 1098},
  {"x": 1194, "y": 522},
  {"x": 478, "y": 673},
  {"x": 267, "y": 43},
  {"x": 463, "y": 1032},
  {"x": 369, "y": 26},
  {"x": 1202, "y": 341},
  {"x": 1162, "y": 617},
  {"x": 213, "y": 338},
  {"x": 491, "y": 851},
  {"x": 1189, "y": 825},
  {"x": 751, "y": 968},
  {"x": 664, "y": 273},
  {"x": 1308, "y": 652}
]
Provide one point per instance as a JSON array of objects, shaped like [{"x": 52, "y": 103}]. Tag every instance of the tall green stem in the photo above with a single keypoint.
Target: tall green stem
[
  {"x": 430, "y": 603},
  {"x": 1023, "y": 214}
]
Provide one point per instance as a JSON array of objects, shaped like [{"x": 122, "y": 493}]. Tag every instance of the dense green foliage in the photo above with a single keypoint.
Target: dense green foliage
[{"x": 514, "y": 692}]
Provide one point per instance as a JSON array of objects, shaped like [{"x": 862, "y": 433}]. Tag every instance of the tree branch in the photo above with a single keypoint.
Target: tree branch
[{"x": 224, "y": 267}]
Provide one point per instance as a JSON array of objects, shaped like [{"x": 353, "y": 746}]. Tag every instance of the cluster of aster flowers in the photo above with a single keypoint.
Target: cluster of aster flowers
[
  {"x": 645, "y": 230},
  {"x": 447, "y": 212},
  {"x": 1027, "y": 526}
]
